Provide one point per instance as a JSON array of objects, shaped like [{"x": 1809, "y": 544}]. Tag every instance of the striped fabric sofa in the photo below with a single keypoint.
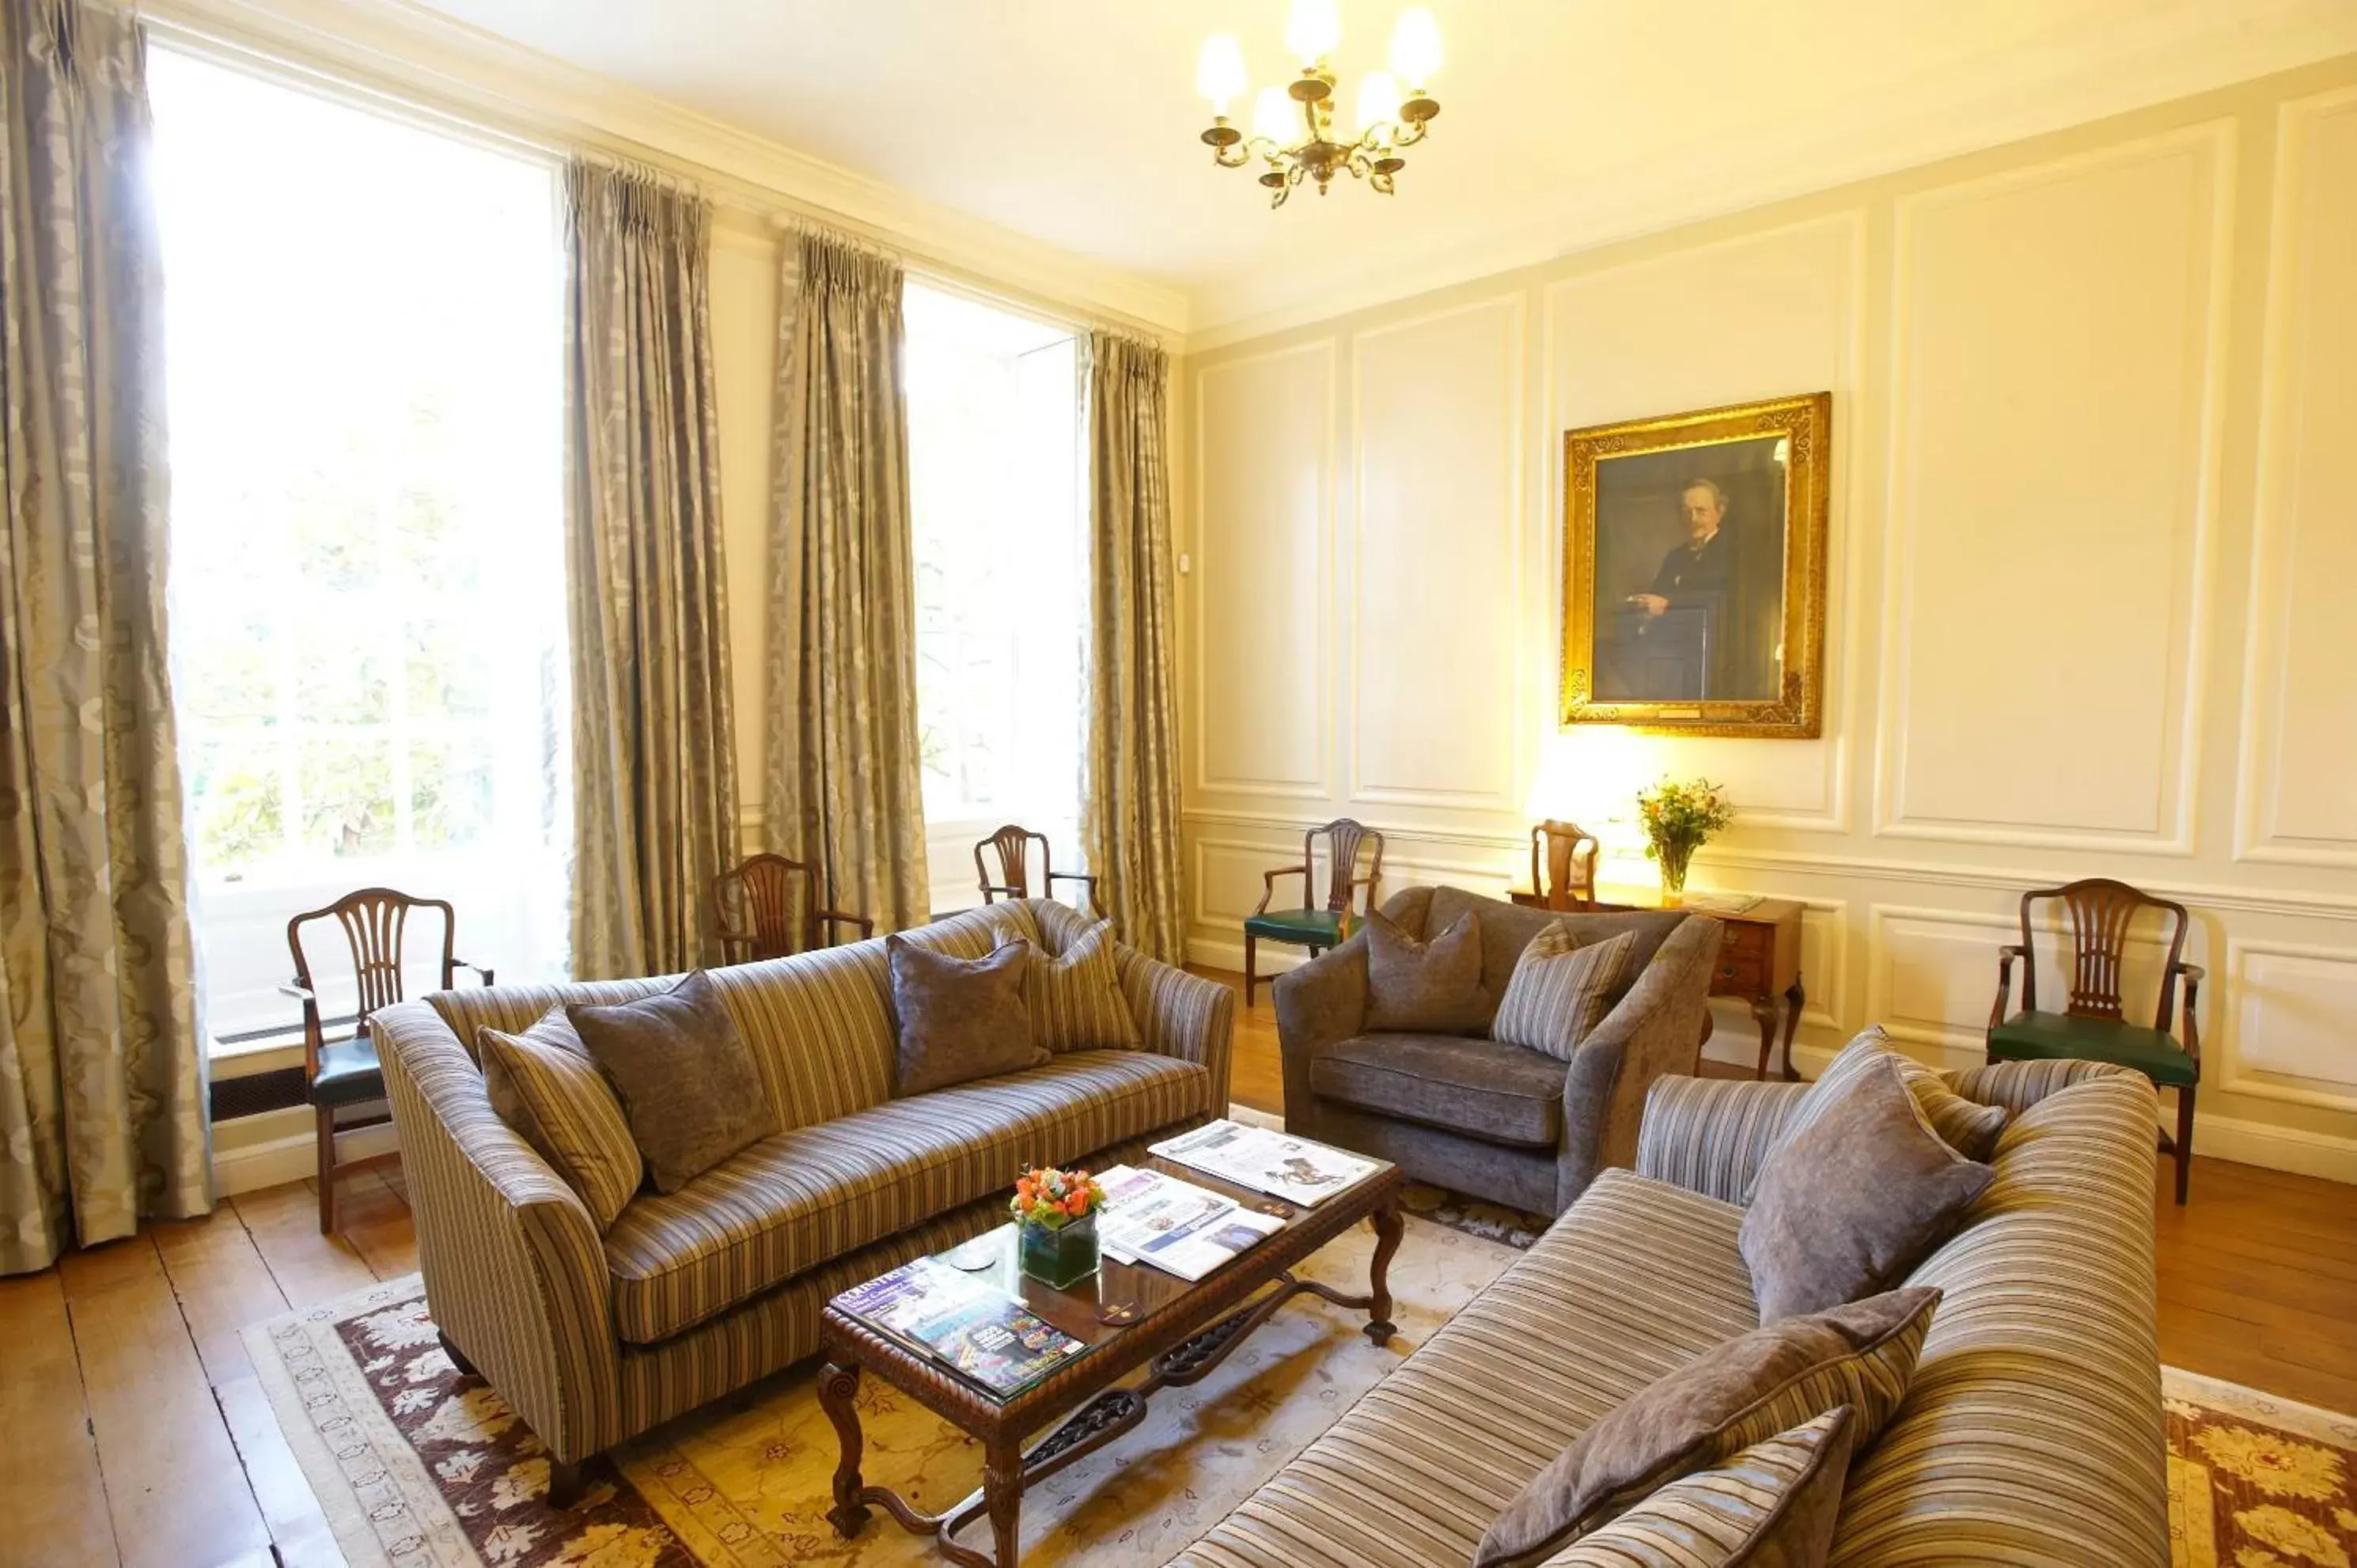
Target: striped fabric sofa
[
  {"x": 687, "y": 1297},
  {"x": 2032, "y": 1432}
]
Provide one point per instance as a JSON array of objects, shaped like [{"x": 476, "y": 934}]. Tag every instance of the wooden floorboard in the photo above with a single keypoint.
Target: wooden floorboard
[
  {"x": 127, "y": 1373},
  {"x": 175, "y": 1489},
  {"x": 52, "y": 1496}
]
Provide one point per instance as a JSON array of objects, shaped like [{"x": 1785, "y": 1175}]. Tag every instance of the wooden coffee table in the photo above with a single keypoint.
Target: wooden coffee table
[{"x": 1184, "y": 1329}]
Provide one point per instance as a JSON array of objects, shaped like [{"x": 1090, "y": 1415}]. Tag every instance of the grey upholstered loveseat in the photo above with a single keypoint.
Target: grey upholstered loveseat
[
  {"x": 595, "y": 1339},
  {"x": 2031, "y": 1431},
  {"x": 1479, "y": 1116}
]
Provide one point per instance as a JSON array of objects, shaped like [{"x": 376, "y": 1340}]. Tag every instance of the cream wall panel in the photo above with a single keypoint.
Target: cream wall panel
[
  {"x": 1761, "y": 315},
  {"x": 1436, "y": 548},
  {"x": 2298, "y": 795},
  {"x": 744, "y": 372},
  {"x": 2295, "y": 1024},
  {"x": 1263, "y": 488},
  {"x": 2056, "y": 383}
]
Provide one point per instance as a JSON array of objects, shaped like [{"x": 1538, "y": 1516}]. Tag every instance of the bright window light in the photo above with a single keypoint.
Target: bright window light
[
  {"x": 366, "y": 395},
  {"x": 995, "y": 475}
]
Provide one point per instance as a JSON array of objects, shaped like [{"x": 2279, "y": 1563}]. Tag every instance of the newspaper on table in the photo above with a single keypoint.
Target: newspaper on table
[
  {"x": 1177, "y": 1226},
  {"x": 960, "y": 1321},
  {"x": 1294, "y": 1169}
]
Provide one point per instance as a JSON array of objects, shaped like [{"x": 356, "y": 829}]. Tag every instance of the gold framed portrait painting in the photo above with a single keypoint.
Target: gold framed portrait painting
[{"x": 1694, "y": 571}]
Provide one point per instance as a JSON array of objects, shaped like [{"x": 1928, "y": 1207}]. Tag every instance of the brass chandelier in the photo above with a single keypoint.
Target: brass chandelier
[{"x": 1293, "y": 131}]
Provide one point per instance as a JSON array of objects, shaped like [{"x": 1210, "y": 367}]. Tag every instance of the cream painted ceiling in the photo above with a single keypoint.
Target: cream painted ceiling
[{"x": 1565, "y": 123}]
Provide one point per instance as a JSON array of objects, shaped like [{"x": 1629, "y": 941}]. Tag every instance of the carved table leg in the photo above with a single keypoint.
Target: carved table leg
[
  {"x": 1389, "y": 1229},
  {"x": 1001, "y": 1491},
  {"x": 1763, "y": 1013},
  {"x": 838, "y": 1387},
  {"x": 1795, "y": 998}
]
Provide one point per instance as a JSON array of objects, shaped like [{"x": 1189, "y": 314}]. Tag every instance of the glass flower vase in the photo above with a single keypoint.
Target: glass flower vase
[
  {"x": 1674, "y": 861},
  {"x": 1059, "y": 1255}
]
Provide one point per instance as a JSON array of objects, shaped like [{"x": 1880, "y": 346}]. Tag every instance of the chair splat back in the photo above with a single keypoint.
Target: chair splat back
[
  {"x": 1345, "y": 837},
  {"x": 2099, "y": 913},
  {"x": 1571, "y": 851},
  {"x": 757, "y": 912},
  {"x": 375, "y": 923},
  {"x": 1012, "y": 845}
]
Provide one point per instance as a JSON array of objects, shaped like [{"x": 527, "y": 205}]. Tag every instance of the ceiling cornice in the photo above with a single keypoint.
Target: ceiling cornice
[
  {"x": 1741, "y": 178},
  {"x": 410, "y": 53}
]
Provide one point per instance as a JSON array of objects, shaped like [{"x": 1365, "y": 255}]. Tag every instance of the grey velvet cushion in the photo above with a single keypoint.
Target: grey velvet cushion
[
  {"x": 1432, "y": 986},
  {"x": 1741, "y": 1391},
  {"x": 1856, "y": 1201},
  {"x": 1499, "y": 1093},
  {"x": 1561, "y": 988},
  {"x": 1964, "y": 1124},
  {"x": 959, "y": 1018},
  {"x": 1773, "y": 1506},
  {"x": 1507, "y": 929},
  {"x": 686, "y": 1080}
]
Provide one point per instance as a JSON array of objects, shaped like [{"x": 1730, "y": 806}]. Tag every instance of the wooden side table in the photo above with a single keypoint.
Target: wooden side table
[{"x": 1759, "y": 960}]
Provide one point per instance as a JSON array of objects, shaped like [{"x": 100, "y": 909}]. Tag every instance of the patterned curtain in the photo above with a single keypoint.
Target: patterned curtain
[
  {"x": 846, "y": 782},
  {"x": 654, "y": 759},
  {"x": 1129, "y": 803},
  {"x": 103, "y": 1117}
]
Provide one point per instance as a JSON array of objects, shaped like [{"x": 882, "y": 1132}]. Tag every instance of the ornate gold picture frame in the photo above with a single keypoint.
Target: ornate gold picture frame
[{"x": 1694, "y": 570}]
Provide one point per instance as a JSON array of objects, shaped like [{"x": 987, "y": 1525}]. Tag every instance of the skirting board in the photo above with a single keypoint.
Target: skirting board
[{"x": 274, "y": 1162}]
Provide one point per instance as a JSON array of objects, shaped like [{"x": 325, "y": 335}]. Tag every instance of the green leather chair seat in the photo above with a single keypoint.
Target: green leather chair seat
[
  {"x": 349, "y": 1074},
  {"x": 2045, "y": 1037},
  {"x": 1321, "y": 928}
]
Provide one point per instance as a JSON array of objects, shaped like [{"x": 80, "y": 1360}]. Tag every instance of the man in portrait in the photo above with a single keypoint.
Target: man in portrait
[{"x": 1702, "y": 628}]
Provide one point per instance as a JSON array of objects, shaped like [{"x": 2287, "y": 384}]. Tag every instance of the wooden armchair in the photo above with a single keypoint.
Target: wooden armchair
[
  {"x": 2091, "y": 1027},
  {"x": 1569, "y": 861},
  {"x": 1012, "y": 847},
  {"x": 1314, "y": 927},
  {"x": 756, "y": 914},
  {"x": 337, "y": 1074}
]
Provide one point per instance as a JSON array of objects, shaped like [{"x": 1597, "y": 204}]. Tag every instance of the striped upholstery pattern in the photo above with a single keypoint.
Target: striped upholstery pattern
[
  {"x": 2034, "y": 1433},
  {"x": 1636, "y": 1279},
  {"x": 1561, "y": 990},
  {"x": 544, "y": 1084},
  {"x": 1964, "y": 1125},
  {"x": 2018, "y": 1086},
  {"x": 1772, "y": 1498},
  {"x": 660, "y": 1382},
  {"x": 790, "y": 1202},
  {"x": 514, "y": 1271},
  {"x": 1710, "y": 1135},
  {"x": 2031, "y": 1431},
  {"x": 514, "y": 1268},
  {"x": 1074, "y": 995}
]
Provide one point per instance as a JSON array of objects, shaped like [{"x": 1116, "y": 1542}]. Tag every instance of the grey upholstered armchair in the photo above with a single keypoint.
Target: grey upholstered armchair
[{"x": 1477, "y": 1115}]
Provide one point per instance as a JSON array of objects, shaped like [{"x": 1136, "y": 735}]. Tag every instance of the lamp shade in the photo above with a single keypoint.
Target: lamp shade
[
  {"x": 1416, "y": 46},
  {"x": 1275, "y": 117},
  {"x": 1313, "y": 28}
]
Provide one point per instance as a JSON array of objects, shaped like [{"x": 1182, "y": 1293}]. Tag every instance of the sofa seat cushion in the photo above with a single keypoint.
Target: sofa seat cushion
[
  {"x": 1637, "y": 1279},
  {"x": 1484, "y": 1089},
  {"x": 795, "y": 1200}
]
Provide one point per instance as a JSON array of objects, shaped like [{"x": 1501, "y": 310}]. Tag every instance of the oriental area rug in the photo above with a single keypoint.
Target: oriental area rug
[{"x": 415, "y": 1464}]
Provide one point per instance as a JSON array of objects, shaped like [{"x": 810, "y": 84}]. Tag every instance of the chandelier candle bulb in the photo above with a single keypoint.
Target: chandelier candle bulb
[
  {"x": 1275, "y": 119},
  {"x": 1313, "y": 30},
  {"x": 1220, "y": 72},
  {"x": 1379, "y": 108},
  {"x": 1415, "y": 47}
]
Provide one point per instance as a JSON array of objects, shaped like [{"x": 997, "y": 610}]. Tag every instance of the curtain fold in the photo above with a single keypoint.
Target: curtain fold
[
  {"x": 103, "y": 1070},
  {"x": 654, "y": 757},
  {"x": 846, "y": 783},
  {"x": 1129, "y": 800}
]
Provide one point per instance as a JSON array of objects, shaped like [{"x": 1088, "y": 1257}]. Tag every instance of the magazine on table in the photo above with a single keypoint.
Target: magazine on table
[
  {"x": 1175, "y": 1226},
  {"x": 981, "y": 1332},
  {"x": 1294, "y": 1169}
]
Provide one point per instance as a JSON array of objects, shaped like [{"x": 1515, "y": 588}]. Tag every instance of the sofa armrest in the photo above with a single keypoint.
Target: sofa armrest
[
  {"x": 1710, "y": 1135},
  {"x": 1181, "y": 1015},
  {"x": 515, "y": 1273},
  {"x": 1320, "y": 1003},
  {"x": 2020, "y": 1085},
  {"x": 1656, "y": 1029}
]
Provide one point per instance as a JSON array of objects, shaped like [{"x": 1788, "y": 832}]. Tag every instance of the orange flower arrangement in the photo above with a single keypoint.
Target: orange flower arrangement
[{"x": 1054, "y": 1198}]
